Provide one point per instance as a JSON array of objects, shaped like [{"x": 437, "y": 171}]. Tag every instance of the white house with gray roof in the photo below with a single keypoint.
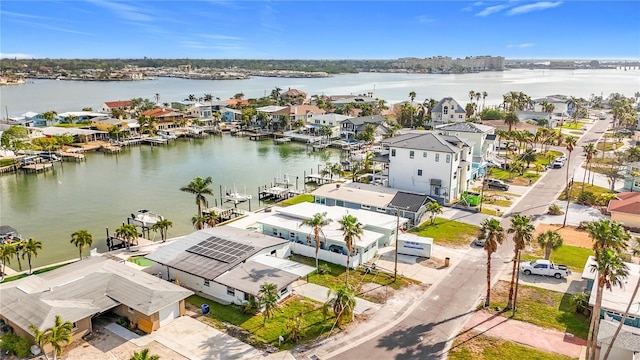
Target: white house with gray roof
[
  {"x": 447, "y": 111},
  {"x": 482, "y": 137},
  {"x": 428, "y": 163},
  {"x": 351, "y": 127}
]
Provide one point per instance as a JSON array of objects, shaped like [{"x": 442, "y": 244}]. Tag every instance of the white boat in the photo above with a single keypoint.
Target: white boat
[
  {"x": 144, "y": 218},
  {"x": 236, "y": 197}
]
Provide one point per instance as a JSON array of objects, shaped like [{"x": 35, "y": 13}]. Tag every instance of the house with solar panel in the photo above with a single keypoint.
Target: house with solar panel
[
  {"x": 228, "y": 264},
  {"x": 286, "y": 223}
]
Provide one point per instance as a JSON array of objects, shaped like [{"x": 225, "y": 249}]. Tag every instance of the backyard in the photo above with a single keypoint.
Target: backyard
[{"x": 448, "y": 232}]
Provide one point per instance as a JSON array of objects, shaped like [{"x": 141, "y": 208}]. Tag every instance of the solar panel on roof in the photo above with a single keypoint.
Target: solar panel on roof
[{"x": 220, "y": 250}]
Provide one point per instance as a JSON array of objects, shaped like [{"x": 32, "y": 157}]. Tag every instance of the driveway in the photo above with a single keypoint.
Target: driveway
[{"x": 572, "y": 284}]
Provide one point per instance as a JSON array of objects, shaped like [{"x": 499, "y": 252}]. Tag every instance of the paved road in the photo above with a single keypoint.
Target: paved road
[{"x": 427, "y": 331}]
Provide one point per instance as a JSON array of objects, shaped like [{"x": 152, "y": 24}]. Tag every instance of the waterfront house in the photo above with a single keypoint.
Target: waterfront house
[
  {"x": 625, "y": 208},
  {"x": 481, "y": 137},
  {"x": 338, "y": 101},
  {"x": 29, "y": 119},
  {"x": 537, "y": 116},
  {"x": 447, "y": 111},
  {"x": 236, "y": 103},
  {"x": 126, "y": 126},
  {"x": 77, "y": 117},
  {"x": 305, "y": 113},
  {"x": 230, "y": 115},
  {"x": 378, "y": 199},
  {"x": 378, "y": 231},
  {"x": 79, "y": 135},
  {"x": 561, "y": 109},
  {"x": 294, "y": 96},
  {"x": 108, "y": 106},
  {"x": 228, "y": 264},
  {"x": 351, "y": 127},
  {"x": 614, "y": 304},
  {"x": 428, "y": 163},
  {"x": 332, "y": 120},
  {"x": 81, "y": 291},
  {"x": 167, "y": 118}
]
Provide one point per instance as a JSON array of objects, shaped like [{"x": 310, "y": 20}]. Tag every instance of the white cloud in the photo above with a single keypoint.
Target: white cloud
[
  {"x": 424, "y": 19},
  {"x": 542, "y": 5},
  {"x": 521, "y": 46},
  {"x": 126, "y": 11},
  {"x": 491, "y": 10},
  {"x": 15, "y": 56},
  {"x": 220, "y": 37}
]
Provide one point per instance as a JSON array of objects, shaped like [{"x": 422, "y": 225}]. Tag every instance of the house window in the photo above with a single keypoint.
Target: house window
[
  {"x": 448, "y": 158},
  {"x": 283, "y": 291},
  {"x": 393, "y": 152},
  {"x": 382, "y": 210},
  {"x": 339, "y": 202},
  {"x": 247, "y": 297},
  {"x": 411, "y": 154},
  {"x": 131, "y": 310},
  {"x": 366, "y": 207},
  {"x": 424, "y": 154},
  {"x": 231, "y": 291},
  {"x": 456, "y": 157},
  {"x": 445, "y": 110},
  {"x": 75, "y": 325},
  {"x": 459, "y": 116},
  {"x": 437, "y": 157},
  {"x": 419, "y": 172},
  {"x": 206, "y": 282}
]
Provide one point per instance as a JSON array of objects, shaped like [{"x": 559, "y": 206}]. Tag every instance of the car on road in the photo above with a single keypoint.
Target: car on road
[
  {"x": 544, "y": 268},
  {"x": 602, "y": 116},
  {"x": 621, "y": 131},
  {"x": 496, "y": 184},
  {"x": 561, "y": 158},
  {"x": 479, "y": 242}
]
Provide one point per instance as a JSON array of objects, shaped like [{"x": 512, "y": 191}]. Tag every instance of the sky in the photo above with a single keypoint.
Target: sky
[{"x": 309, "y": 29}]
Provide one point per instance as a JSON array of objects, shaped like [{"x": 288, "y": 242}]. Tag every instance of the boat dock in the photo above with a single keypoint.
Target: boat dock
[
  {"x": 225, "y": 214},
  {"x": 156, "y": 140},
  {"x": 34, "y": 168},
  {"x": 283, "y": 140},
  {"x": 115, "y": 243},
  {"x": 72, "y": 156},
  {"x": 275, "y": 193}
]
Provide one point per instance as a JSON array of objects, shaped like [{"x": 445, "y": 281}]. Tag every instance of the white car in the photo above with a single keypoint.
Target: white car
[{"x": 545, "y": 268}]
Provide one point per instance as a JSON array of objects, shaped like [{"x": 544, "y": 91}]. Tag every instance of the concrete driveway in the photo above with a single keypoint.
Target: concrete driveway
[{"x": 572, "y": 284}]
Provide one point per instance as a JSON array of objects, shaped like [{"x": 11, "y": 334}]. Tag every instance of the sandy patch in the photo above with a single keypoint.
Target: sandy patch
[{"x": 570, "y": 234}]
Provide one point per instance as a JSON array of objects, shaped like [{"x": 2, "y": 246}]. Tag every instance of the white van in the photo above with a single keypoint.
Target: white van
[{"x": 602, "y": 116}]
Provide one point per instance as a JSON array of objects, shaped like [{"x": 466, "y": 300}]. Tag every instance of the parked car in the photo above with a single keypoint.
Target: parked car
[
  {"x": 337, "y": 249},
  {"x": 557, "y": 164},
  {"x": 496, "y": 184},
  {"x": 561, "y": 158},
  {"x": 602, "y": 116},
  {"x": 545, "y": 268},
  {"x": 479, "y": 242}
]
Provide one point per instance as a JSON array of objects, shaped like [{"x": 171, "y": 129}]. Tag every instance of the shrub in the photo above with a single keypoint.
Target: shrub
[
  {"x": 492, "y": 114},
  {"x": 581, "y": 302},
  {"x": 587, "y": 198},
  {"x": 324, "y": 269},
  {"x": 554, "y": 209},
  {"x": 15, "y": 345},
  {"x": 250, "y": 307}
]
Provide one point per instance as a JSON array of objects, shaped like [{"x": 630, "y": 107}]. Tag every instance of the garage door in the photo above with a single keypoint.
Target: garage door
[{"x": 169, "y": 313}]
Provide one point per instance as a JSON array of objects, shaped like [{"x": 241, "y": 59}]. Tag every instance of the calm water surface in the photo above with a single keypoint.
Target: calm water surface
[{"x": 105, "y": 189}]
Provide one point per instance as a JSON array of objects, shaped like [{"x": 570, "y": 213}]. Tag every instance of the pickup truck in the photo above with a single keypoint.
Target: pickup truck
[{"x": 544, "y": 267}]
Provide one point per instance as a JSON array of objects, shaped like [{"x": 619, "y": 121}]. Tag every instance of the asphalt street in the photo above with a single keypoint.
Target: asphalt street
[{"x": 428, "y": 330}]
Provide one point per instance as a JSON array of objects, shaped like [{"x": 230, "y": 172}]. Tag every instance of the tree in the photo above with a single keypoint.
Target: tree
[
  {"x": 49, "y": 116},
  {"x": 342, "y": 302},
  {"x": 549, "y": 241},
  {"x": 162, "y": 226},
  {"x": 351, "y": 229},
  {"x": 610, "y": 240},
  {"x": 636, "y": 252},
  {"x": 522, "y": 231},
  {"x": 590, "y": 152},
  {"x": 529, "y": 156},
  {"x": 30, "y": 249},
  {"x": 198, "y": 221},
  {"x": 570, "y": 142},
  {"x": 511, "y": 119},
  {"x": 268, "y": 296},
  {"x": 412, "y": 96},
  {"x": 56, "y": 335},
  {"x": 211, "y": 219},
  {"x": 144, "y": 355},
  {"x": 199, "y": 187},
  {"x": 316, "y": 223},
  {"x": 493, "y": 233},
  {"x": 80, "y": 239},
  {"x": 6, "y": 253},
  {"x": 434, "y": 209},
  {"x": 128, "y": 233}
]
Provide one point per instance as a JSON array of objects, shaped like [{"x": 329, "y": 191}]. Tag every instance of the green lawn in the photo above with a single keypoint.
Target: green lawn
[
  {"x": 609, "y": 145},
  {"x": 258, "y": 334},
  {"x": 35, "y": 272},
  {"x": 7, "y": 162},
  {"x": 573, "y": 126},
  {"x": 501, "y": 174},
  {"x": 542, "y": 159},
  {"x": 573, "y": 256},
  {"x": 448, "y": 232},
  {"x": 545, "y": 308},
  {"x": 335, "y": 278},
  {"x": 297, "y": 200},
  {"x": 576, "y": 189},
  {"x": 475, "y": 346}
]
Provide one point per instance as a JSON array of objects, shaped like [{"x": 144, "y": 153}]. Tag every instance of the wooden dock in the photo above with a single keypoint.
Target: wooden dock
[
  {"x": 34, "y": 168},
  {"x": 156, "y": 140},
  {"x": 283, "y": 140},
  {"x": 114, "y": 243},
  {"x": 260, "y": 136},
  {"x": 275, "y": 193},
  {"x": 72, "y": 156}
]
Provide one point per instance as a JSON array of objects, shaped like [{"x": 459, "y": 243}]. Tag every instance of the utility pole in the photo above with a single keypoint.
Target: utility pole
[{"x": 395, "y": 268}]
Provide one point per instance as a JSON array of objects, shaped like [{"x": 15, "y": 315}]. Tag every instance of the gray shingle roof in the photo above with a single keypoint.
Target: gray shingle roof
[
  {"x": 376, "y": 119},
  {"x": 628, "y": 339},
  {"x": 410, "y": 201},
  {"x": 468, "y": 127},
  {"x": 438, "y": 107},
  {"x": 83, "y": 289},
  {"x": 427, "y": 141}
]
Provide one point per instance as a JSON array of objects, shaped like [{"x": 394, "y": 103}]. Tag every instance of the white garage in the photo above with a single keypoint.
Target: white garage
[{"x": 169, "y": 313}]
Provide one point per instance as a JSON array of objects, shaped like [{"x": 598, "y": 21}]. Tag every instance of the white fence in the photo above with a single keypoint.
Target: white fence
[{"x": 328, "y": 256}]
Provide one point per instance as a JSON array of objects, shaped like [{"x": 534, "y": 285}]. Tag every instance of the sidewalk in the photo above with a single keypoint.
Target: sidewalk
[{"x": 526, "y": 334}]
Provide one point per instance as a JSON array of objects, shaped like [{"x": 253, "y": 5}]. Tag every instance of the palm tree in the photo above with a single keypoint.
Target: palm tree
[
  {"x": 80, "y": 239},
  {"x": 162, "y": 226},
  {"x": 484, "y": 97},
  {"x": 351, "y": 230},
  {"x": 522, "y": 231},
  {"x": 198, "y": 221},
  {"x": 549, "y": 241},
  {"x": 590, "y": 152},
  {"x": 412, "y": 96},
  {"x": 30, "y": 249},
  {"x": 210, "y": 218},
  {"x": 493, "y": 233},
  {"x": 56, "y": 335},
  {"x": 434, "y": 208},
  {"x": 511, "y": 119},
  {"x": 38, "y": 336},
  {"x": 128, "y": 233},
  {"x": 343, "y": 304},
  {"x": 316, "y": 223},
  {"x": 144, "y": 355},
  {"x": 570, "y": 142},
  {"x": 636, "y": 252},
  {"x": 6, "y": 253},
  {"x": 268, "y": 296},
  {"x": 199, "y": 187}
]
